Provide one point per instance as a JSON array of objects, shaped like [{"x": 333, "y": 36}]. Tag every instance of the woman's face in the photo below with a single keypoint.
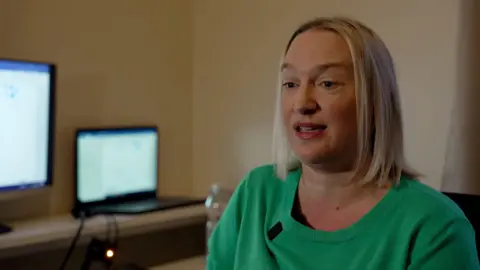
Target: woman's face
[{"x": 318, "y": 99}]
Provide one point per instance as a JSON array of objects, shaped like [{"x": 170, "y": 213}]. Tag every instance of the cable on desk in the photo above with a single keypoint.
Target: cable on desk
[
  {"x": 74, "y": 241},
  {"x": 112, "y": 222},
  {"x": 103, "y": 251}
]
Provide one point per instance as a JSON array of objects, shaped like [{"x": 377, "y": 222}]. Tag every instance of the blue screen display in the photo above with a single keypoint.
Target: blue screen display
[{"x": 25, "y": 91}]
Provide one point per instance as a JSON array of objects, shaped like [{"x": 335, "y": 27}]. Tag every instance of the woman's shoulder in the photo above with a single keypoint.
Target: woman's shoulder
[
  {"x": 263, "y": 176},
  {"x": 442, "y": 236},
  {"x": 262, "y": 184},
  {"x": 424, "y": 200}
]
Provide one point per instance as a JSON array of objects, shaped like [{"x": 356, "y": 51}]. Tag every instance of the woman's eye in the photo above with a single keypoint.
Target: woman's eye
[
  {"x": 289, "y": 85},
  {"x": 328, "y": 84}
]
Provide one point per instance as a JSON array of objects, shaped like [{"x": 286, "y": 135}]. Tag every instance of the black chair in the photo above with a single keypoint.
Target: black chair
[{"x": 470, "y": 204}]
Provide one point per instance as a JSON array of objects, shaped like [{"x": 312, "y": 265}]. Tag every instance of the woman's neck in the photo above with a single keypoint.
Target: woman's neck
[
  {"x": 332, "y": 201},
  {"x": 333, "y": 188}
]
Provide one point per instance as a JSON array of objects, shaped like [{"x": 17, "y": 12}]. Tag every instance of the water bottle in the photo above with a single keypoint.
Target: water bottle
[{"x": 215, "y": 203}]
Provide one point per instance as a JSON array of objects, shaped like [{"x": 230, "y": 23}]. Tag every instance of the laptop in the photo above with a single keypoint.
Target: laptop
[{"x": 116, "y": 172}]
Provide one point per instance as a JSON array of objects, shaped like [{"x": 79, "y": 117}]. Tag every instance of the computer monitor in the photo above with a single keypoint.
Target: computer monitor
[
  {"x": 27, "y": 118},
  {"x": 115, "y": 162}
]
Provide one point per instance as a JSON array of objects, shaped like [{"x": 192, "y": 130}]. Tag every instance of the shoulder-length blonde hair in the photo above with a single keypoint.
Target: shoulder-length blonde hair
[{"x": 379, "y": 117}]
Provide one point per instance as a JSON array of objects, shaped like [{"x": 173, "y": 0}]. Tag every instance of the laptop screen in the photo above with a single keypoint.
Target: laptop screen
[{"x": 114, "y": 163}]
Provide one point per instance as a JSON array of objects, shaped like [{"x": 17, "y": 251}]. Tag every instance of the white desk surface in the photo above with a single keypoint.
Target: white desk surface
[
  {"x": 195, "y": 263},
  {"x": 37, "y": 235}
]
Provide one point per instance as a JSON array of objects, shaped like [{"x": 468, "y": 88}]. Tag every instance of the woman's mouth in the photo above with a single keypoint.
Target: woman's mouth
[{"x": 307, "y": 131}]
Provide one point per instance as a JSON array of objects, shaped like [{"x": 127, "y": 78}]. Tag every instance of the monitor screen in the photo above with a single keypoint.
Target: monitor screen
[
  {"x": 26, "y": 124},
  {"x": 115, "y": 163}
]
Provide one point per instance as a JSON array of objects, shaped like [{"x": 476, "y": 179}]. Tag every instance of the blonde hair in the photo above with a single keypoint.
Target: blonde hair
[{"x": 379, "y": 117}]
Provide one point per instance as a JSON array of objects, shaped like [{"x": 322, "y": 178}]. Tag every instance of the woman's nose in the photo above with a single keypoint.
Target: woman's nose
[{"x": 305, "y": 103}]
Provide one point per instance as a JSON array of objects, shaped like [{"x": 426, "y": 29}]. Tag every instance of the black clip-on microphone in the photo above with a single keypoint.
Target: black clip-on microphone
[{"x": 273, "y": 233}]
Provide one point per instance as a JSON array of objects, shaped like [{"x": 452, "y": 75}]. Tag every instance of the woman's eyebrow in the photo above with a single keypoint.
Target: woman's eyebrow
[{"x": 321, "y": 68}]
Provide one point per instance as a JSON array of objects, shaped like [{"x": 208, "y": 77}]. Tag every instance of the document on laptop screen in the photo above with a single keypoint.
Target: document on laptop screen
[{"x": 113, "y": 163}]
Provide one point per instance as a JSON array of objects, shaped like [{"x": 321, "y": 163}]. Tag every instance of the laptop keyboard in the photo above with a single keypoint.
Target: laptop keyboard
[{"x": 144, "y": 206}]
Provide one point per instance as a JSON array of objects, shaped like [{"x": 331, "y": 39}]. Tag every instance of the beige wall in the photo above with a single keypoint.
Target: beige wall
[
  {"x": 120, "y": 62},
  {"x": 206, "y": 71},
  {"x": 237, "y": 49},
  {"x": 3, "y": 16},
  {"x": 462, "y": 170}
]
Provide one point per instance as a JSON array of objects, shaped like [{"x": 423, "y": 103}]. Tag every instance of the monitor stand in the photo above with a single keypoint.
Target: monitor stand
[{"x": 5, "y": 229}]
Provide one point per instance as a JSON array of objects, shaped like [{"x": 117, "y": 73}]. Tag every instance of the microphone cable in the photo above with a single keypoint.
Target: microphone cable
[
  {"x": 74, "y": 242},
  {"x": 112, "y": 235},
  {"x": 103, "y": 251}
]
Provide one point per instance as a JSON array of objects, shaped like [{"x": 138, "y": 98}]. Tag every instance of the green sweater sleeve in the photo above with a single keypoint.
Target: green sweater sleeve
[
  {"x": 223, "y": 241},
  {"x": 447, "y": 247}
]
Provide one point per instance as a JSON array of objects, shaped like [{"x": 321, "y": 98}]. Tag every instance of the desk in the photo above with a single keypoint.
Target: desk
[
  {"x": 195, "y": 263},
  {"x": 47, "y": 234}
]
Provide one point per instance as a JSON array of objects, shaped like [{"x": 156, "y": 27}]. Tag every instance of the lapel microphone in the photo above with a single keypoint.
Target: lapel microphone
[{"x": 275, "y": 231}]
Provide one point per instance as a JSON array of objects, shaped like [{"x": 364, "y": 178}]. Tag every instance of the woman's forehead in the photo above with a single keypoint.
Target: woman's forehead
[
  {"x": 318, "y": 48},
  {"x": 341, "y": 67}
]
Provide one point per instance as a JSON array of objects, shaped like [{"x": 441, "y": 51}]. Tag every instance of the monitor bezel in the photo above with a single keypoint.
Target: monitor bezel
[
  {"x": 51, "y": 127},
  {"x": 128, "y": 197}
]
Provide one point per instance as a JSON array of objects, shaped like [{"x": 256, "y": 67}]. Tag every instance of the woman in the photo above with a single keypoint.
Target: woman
[{"x": 340, "y": 195}]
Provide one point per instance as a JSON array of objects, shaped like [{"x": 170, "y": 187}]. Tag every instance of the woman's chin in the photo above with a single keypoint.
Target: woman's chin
[{"x": 311, "y": 156}]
